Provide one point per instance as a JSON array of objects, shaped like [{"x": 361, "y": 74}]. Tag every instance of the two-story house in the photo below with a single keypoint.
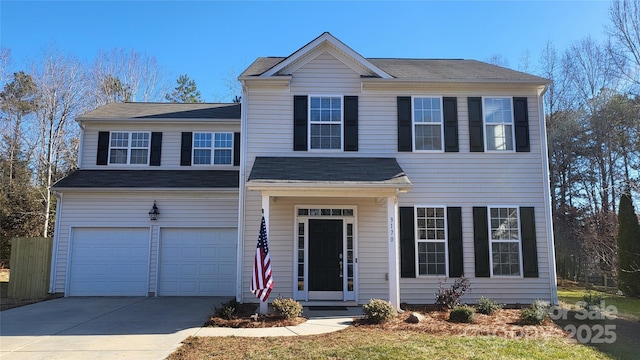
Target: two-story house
[{"x": 377, "y": 178}]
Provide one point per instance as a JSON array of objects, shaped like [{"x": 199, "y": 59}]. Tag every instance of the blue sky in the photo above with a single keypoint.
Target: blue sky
[{"x": 209, "y": 39}]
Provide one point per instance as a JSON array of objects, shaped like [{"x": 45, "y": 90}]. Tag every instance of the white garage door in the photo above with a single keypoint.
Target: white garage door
[
  {"x": 197, "y": 262},
  {"x": 109, "y": 262}
]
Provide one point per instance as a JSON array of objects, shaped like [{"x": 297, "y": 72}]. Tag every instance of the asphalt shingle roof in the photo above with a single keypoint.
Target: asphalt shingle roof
[
  {"x": 425, "y": 69},
  {"x": 165, "y": 111},
  {"x": 201, "y": 179},
  {"x": 328, "y": 169}
]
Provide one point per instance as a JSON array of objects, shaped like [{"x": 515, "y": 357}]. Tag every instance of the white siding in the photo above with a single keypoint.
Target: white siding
[
  {"x": 171, "y": 141},
  {"x": 462, "y": 179},
  {"x": 130, "y": 209},
  {"x": 371, "y": 243}
]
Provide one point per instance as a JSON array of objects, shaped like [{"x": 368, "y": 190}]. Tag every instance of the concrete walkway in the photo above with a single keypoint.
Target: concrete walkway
[
  {"x": 129, "y": 327},
  {"x": 319, "y": 322}
]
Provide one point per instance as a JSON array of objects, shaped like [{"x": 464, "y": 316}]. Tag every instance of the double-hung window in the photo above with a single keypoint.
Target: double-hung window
[
  {"x": 212, "y": 148},
  {"x": 498, "y": 122},
  {"x": 505, "y": 241},
  {"x": 431, "y": 239},
  {"x": 427, "y": 122},
  {"x": 325, "y": 122},
  {"x": 129, "y": 148}
]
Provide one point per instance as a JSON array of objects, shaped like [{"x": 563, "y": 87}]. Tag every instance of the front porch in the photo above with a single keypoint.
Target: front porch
[{"x": 332, "y": 241}]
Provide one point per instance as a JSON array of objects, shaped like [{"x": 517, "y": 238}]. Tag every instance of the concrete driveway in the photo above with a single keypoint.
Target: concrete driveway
[{"x": 102, "y": 328}]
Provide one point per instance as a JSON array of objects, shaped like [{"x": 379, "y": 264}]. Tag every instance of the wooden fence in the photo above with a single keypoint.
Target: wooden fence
[{"x": 30, "y": 267}]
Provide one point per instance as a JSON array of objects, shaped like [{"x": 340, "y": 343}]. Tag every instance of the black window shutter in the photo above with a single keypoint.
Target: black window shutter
[
  {"x": 405, "y": 133},
  {"x": 521, "y": 120},
  {"x": 450, "y": 112},
  {"x": 454, "y": 228},
  {"x": 156, "y": 149},
  {"x": 529, "y": 246},
  {"x": 103, "y": 148},
  {"x": 481, "y": 241},
  {"x": 407, "y": 243},
  {"x": 300, "y": 123},
  {"x": 350, "y": 123},
  {"x": 476, "y": 133},
  {"x": 236, "y": 149},
  {"x": 185, "y": 149}
]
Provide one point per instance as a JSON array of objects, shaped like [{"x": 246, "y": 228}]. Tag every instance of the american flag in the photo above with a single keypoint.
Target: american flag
[{"x": 262, "y": 281}]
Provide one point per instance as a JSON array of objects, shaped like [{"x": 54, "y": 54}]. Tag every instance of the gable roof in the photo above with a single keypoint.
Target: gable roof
[
  {"x": 150, "y": 110},
  {"x": 328, "y": 170},
  {"x": 325, "y": 39},
  {"x": 430, "y": 70},
  {"x": 156, "y": 179}
]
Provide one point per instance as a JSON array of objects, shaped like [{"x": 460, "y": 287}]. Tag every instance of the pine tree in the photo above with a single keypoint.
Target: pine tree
[
  {"x": 185, "y": 92},
  {"x": 628, "y": 248}
]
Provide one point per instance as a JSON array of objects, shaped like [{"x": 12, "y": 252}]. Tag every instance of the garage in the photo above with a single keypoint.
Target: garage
[
  {"x": 197, "y": 262},
  {"x": 109, "y": 262}
]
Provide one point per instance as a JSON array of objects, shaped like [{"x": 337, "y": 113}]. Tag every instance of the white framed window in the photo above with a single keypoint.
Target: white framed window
[
  {"x": 504, "y": 241},
  {"x": 131, "y": 148},
  {"x": 212, "y": 148},
  {"x": 325, "y": 122},
  {"x": 427, "y": 123},
  {"x": 431, "y": 238},
  {"x": 498, "y": 123}
]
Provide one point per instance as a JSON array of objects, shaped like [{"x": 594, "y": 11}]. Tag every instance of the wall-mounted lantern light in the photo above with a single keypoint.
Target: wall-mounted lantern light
[{"x": 153, "y": 213}]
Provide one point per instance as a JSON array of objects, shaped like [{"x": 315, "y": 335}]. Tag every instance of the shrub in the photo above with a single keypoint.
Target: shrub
[
  {"x": 487, "y": 306},
  {"x": 592, "y": 299},
  {"x": 287, "y": 308},
  {"x": 463, "y": 314},
  {"x": 227, "y": 310},
  {"x": 451, "y": 297},
  {"x": 536, "y": 313},
  {"x": 379, "y": 311}
]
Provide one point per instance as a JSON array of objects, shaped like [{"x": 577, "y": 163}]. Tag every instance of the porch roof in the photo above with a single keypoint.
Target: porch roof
[{"x": 328, "y": 172}]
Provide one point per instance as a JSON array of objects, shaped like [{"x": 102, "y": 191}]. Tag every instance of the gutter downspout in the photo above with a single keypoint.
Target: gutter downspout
[
  {"x": 553, "y": 284},
  {"x": 80, "y": 146},
  {"x": 56, "y": 236},
  {"x": 241, "y": 192}
]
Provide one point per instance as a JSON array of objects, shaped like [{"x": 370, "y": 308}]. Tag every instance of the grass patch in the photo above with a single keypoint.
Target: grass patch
[
  {"x": 624, "y": 304},
  {"x": 372, "y": 343}
]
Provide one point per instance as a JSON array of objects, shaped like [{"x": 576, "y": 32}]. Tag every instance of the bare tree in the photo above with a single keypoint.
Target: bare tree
[
  {"x": 525, "y": 61},
  {"x": 5, "y": 61},
  {"x": 120, "y": 75},
  {"x": 499, "y": 60},
  {"x": 625, "y": 32},
  {"x": 62, "y": 85},
  {"x": 233, "y": 86}
]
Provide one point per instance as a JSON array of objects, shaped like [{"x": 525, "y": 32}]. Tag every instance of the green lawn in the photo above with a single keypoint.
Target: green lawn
[
  {"x": 623, "y": 304},
  {"x": 361, "y": 343}
]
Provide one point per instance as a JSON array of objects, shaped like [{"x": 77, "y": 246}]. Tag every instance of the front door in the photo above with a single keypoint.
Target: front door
[{"x": 325, "y": 259}]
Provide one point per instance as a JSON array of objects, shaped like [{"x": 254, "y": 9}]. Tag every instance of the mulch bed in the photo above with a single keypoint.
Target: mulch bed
[
  {"x": 243, "y": 319},
  {"x": 503, "y": 323}
]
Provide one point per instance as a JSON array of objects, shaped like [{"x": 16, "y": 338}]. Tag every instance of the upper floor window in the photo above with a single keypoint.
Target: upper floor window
[
  {"x": 498, "y": 122},
  {"x": 325, "y": 122},
  {"x": 504, "y": 240},
  {"x": 427, "y": 122},
  {"x": 431, "y": 240},
  {"x": 129, "y": 148},
  {"x": 212, "y": 148}
]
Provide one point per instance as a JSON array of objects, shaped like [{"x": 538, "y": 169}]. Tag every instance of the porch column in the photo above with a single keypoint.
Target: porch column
[
  {"x": 394, "y": 250},
  {"x": 264, "y": 305}
]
